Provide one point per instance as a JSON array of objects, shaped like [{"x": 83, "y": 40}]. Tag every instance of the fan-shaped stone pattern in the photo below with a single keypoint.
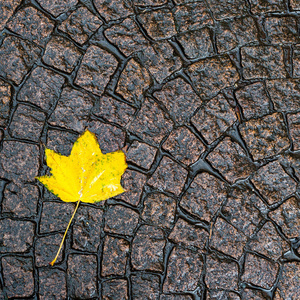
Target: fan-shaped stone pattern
[
  {"x": 211, "y": 75},
  {"x": 121, "y": 220},
  {"x": 145, "y": 286},
  {"x": 19, "y": 161},
  {"x": 60, "y": 141},
  {"x": 86, "y": 229},
  {"x": 288, "y": 281},
  {"x": 148, "y": 249},
  {"x": 213, "y": 119},
  {"x": 232, "y": 33},
  {"x": 113, "y": 10},
  {"x": 114, "y": 111},
  {"x": 52, "y": 283},
  {"x": 266, "y": 136},
  {"x": 183, "y": 272},
  {"x": 42, "y": 88},
  {"x": 159, "y": 24},
  {"x": 127, "y": 36},
  {"x": 188, "y": 236},
  {"x": 57, "y": 7},
  {"x": 268, "y": 242},
  {"x": 16, "y": 201},
  {"x": 180, "y": 100},
  {"x": 169, "y": 177},
  {"x": 45, "y": 247},
  {"x": 133, "y": 82},
  {"x": 242, "y": 212},
  {"x": 184, "y": 145},
  {"x": 159, "y": 60},
  {"x": 281, "y": 30},
  {"x": 31, "y": 25},
  {"x": 254, "y": 100},
  {"x": 262, "y": 62},
  {"x": 55, "y": 216},
  {"x": 82, "y": 276},
  {"x": 287, "y": 217},
  {"x": 204, "y": 196},
  {"x": 227, "y": 9},
  {"x": 95, "y": 70},
  {"x": 294, "y": 126},
  {"x": 115, "y": 254},
  {"x": 110, "y": 138},
  {"x": 73, "y": 110},
  {"x": 62, "y": 54},
  {"x": 289, "y": 90},
  {"x": 16, "y": 236},
  {"x": 197, "y": 43},
  {"x": 273, "y": 183},
  {"x": 191, "y": 16},
  {"x": 262, "y": 6},
  {"x": 7, "y": 9},
  {"x": 225, "y": 238},
  {"x": 159, "y": 210},
  {"x": 27, "y": 123},
  {"x": 81, "y": 24},
  {"x": 141, "y": 154},
  {"x": 259, "y": 271},
  {"x": 221, "y": 274},
  {"x": 133, "y": 182},
  {"x": 151, "y": 124},
  {"x": 115, "y": 289},
  {"x": 231, "y": 160},
  {"x": 5, "y": 102},
  {"x": 16, "y": 270},
  {"x": 17, "y": 58}
]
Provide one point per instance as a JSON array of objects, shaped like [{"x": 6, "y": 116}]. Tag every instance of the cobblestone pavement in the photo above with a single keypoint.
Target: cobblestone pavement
[{"x": 205, "y": 95}]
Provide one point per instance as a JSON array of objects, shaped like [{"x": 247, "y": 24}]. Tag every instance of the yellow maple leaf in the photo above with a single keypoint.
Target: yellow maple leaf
[{"x": 86, "y": 175}]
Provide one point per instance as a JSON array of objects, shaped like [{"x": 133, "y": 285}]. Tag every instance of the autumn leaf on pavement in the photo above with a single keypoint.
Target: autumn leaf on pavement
[{"x": 86, "y": 175}]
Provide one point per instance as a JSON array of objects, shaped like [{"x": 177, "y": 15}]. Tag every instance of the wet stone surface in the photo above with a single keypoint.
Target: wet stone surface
[
  {"x": 117, "y": 249},
  {"x": 183, "y": 145},
  {"x": 27, "y": 123},
  {"x": 273, "y": 183},
  {"x": 183, "y": 276},
  {"x": 259, "y": 271},
  {"x": 42, "y": 88},
  {"x": 214, "y": 118},
  {"x": 62, "y": 54},
  {"x": 148, "y": 249},
  {"x": 18, "y": 270},
  {"x": 221, "y": 274},
  {"x": 18, "y": 56},
  {"x": 80, "y": 25},
  {"x": 5, "y": 92},
  {"x": 180, "y": 100},
  {"x": 127, "y": 36},
  {"x": 231, "y": 160},
  {"x": 32, "y": 25},
  {"x": 204, "y": 196},
  {"x": 211, "y": 75},
  {"x": 264, "y": 140},
  {"x": 204, "y": 99}
]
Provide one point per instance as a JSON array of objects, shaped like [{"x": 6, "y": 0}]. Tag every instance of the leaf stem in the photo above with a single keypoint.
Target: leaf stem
[{"x": 62, "y": 242}]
